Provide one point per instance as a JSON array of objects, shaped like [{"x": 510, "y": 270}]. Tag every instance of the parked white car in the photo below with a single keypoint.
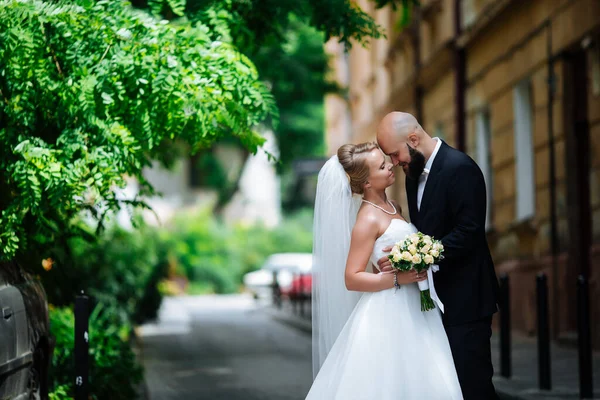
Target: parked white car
[
  {"x": 25, "y": 342},
  {"x": 282, "y": 265}
]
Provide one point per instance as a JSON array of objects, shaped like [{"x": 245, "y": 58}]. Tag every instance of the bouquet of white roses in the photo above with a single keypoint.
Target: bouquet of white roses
[{"x": 419, "y": 252}]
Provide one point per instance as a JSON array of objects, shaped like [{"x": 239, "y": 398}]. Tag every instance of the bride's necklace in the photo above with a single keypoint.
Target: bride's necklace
[{"x": 381, "y": 208}]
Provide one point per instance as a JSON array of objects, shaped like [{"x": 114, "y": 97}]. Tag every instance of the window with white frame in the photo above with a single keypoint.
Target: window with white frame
[
  {"x": 484, "y": 157},
  {"x": 524, "y": 156}
]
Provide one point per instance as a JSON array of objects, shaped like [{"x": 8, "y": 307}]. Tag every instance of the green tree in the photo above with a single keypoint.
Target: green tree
[
  {"x": 92, "y": 92},
  {"x": 285, "y": 40}
]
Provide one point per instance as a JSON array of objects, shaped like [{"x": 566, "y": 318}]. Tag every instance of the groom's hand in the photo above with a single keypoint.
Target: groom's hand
[{"x": 384, "y": 263}]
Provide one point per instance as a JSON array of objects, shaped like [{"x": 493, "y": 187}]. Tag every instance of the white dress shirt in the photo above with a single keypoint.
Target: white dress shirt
[{"x": 425, "y": 174}]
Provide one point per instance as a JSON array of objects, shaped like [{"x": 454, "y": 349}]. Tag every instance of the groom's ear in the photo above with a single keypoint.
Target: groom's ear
[{"x": 413, "y": 140}]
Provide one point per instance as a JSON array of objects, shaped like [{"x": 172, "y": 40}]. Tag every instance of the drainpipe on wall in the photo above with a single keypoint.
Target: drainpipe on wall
[
  {"x": 416, "y": 43},
  {"x": 348, "y": 111},
  {"x": 459, "y": 79},
  {"x": 552, "y": 172}
]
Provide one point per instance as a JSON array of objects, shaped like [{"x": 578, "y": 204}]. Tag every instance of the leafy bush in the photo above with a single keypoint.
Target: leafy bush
[
  {"x": 256, "y": 243},
  {"x": 60, "y": 393},
  {"x": 217, "y": 256},
  {"x": 114, "y": 373},
  {"x": 121, "y": 269}
]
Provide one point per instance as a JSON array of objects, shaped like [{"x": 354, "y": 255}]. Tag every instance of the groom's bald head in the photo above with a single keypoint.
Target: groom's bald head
[
  {"x": 395, "y": 131},
  {"x": 397, "y": 125},
  {"x": 401, "y": 137}
]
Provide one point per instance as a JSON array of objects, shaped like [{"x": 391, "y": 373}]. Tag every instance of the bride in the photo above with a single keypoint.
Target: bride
[{"x": 370, "y": 338}]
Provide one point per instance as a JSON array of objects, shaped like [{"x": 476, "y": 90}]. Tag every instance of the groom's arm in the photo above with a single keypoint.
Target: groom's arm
[{"x": 467, "y": 199}]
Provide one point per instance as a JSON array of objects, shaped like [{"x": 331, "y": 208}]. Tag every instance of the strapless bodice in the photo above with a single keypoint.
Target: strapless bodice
[{"x": 395, "y": 232}]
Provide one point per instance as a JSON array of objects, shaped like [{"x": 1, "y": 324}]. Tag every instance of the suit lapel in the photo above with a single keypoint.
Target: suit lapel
[{"x": 433, "y": 179}]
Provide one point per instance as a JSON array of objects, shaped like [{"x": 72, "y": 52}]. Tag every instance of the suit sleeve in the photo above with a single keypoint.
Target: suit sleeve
[{"x": 467, "y": 199}]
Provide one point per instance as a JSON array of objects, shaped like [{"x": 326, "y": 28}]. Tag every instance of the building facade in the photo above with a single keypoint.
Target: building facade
[{"x": 516, "y": 85}]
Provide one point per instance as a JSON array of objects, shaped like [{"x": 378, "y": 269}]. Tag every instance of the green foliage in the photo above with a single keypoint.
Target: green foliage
[
  {"x": 296, "y": 68},
  {"x": 60, "y": 392},
  {"x": 209, "y": 172},
  {"x": 284, "y": 39},
  {"x": 114, "y": 373},
  {"x": 256, "y": 23},
  {"x": 289, "y": 54},
  {"x": 91, "y": 92},
  {"x": 121, "y": 270},
  {"x": 215, "y": 256},
  {"x": 158, "y": 7}
]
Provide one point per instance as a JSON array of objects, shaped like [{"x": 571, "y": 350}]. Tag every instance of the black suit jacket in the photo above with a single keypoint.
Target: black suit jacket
[{"x": 453, "y": 209}]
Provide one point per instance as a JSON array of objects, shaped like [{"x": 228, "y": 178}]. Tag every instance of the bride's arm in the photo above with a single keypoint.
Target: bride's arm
[{"x": 364, "y": 235}]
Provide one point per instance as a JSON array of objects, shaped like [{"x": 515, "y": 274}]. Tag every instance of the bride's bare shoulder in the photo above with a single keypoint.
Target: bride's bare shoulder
[{"x": 367, "y": 221}]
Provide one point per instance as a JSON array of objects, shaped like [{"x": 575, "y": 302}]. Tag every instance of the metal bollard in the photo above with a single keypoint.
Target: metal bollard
[
  {"x": 505, "y": 356},
  {"x": 544, "y": 373},
  {"x": 301, "y": 294},
  {"x": 276, "y": 291},
  {"x": 584, "y": 339},
  {"x": 294, "y": 295},
  {"x": 81, "y": 351}
]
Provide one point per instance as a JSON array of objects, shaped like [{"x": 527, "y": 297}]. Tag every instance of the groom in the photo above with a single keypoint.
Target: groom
[{"x": 447, "y": 200}]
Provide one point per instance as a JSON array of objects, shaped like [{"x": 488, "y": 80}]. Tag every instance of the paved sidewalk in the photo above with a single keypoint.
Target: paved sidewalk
[
  {"x": 223, "y": 348},
  {"x": 524, "y": 383}
]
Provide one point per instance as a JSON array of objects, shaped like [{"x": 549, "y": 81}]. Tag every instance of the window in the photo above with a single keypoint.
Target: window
[
  {"x": 469, "y": 13},
  {"x": 484, "y": 157},
  {"x": 524, "y": 156}
]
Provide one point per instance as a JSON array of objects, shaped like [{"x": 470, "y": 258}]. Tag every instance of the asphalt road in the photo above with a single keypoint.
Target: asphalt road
[{"x": 223, "y": 347}]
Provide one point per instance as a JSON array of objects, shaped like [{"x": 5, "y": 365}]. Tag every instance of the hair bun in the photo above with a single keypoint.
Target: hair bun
[{"x": 355, "y": 167}]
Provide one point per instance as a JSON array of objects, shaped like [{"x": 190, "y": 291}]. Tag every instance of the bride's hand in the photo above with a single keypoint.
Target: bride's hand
[
  {"x": 384, "y": 263},
  {"x": 406, "y": 277}
]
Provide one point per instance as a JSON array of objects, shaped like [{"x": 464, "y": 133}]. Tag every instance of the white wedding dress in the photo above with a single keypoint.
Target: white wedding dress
[{"x": 389, "y": 349}]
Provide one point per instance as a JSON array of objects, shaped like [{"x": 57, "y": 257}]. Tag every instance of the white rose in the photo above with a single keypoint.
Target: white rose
[
  {"x": 438, "y": 246},
  {"x": 426, "y": 248},
  {"x": 406, "y": 256},
  {"x": 414, "y": 238},
  {"x": 412, "y": 249},
  {"x": 434, "y": 253},
  {"x": 416, "y": 259},
  {"x": 396, "y": 257},
  {"x": 428, "y": 259}
]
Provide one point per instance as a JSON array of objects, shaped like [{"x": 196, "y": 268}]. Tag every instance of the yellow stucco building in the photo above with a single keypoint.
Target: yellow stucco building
[{"x": 516, "y": 85}]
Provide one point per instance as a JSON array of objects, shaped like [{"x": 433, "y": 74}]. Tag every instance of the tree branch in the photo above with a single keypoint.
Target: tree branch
[
  {"x": 45, "y": 30},
  {"x": 104, "y": 55}
]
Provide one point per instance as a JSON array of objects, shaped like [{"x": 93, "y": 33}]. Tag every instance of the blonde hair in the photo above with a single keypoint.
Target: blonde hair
[{"x": 351, "y": 156}]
